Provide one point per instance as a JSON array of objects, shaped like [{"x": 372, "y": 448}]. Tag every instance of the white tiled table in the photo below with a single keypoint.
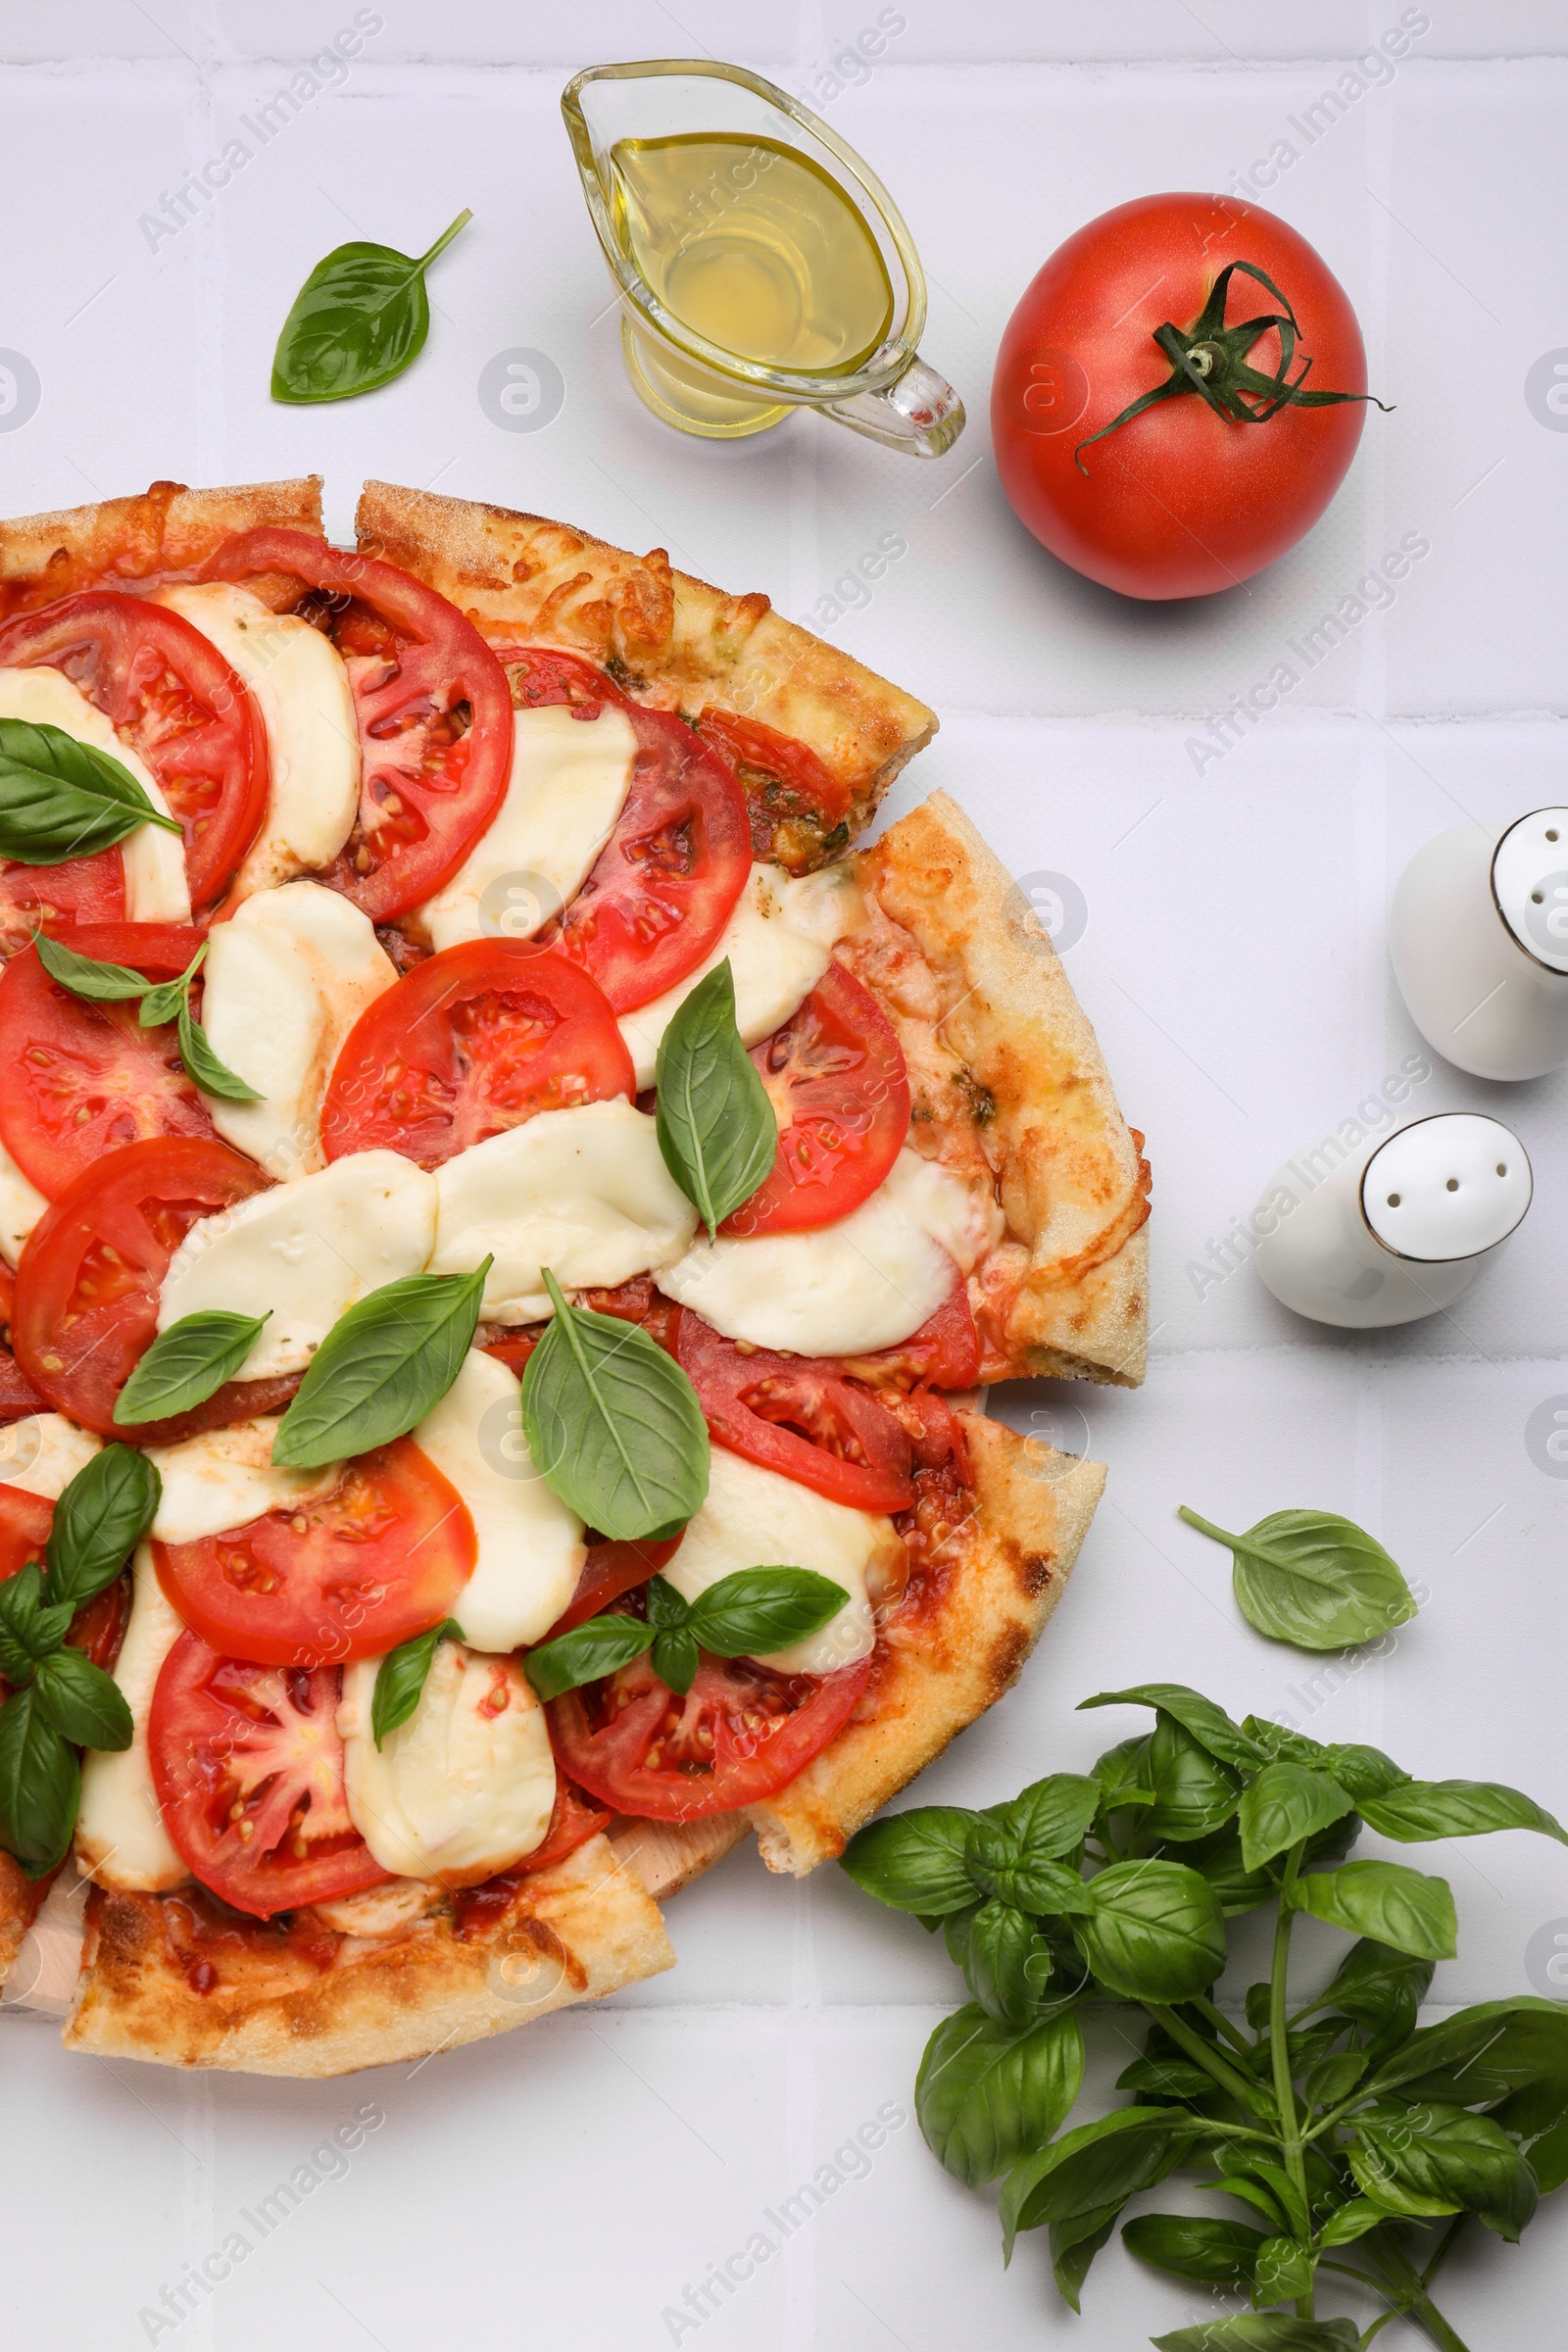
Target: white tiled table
[{"x": 562, "y": 2187}]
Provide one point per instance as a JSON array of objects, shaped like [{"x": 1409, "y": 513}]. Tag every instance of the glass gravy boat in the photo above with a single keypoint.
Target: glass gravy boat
[{"x": 632, "y": 127}]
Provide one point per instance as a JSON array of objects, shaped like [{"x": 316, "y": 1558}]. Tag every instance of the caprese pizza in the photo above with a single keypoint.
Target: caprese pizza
[{"x": 506, "y": 1218}]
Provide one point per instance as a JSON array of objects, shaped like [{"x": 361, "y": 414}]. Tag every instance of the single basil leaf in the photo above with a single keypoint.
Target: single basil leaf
[
  {"x": 1000, "y": 1865},
  {"x": 1006, "y": 1962},
  {"x": 402, "y": 1675},
  {"x": 20, "y": 1599},
  {"x": 675, "y": 1660},
  {"x": 381, "y": 1368},
  {"x": 1422, "y": 1809},
  {"x": 1283, "y": 1806},
  {"x": 171, "y": 997},
  {"x": 40, "y": 1785},
  {"x": 187, "y": 1364},
  {"x": 83, "y": 1702},
  {"x": 757, "y": 1610},
  {"x": 613, "y": 1424},
  {"x": 1482, "y": 2053},
  {"x": 1313, "y": 1578},
  {"x": 86, "y": 975},
  {"x": 62, "y": 799},
  {"x": 1284, "y": 2272},
  {"x": 203, "y": 1067},
  {"x": 1262, "y": 2331},
  {"x": 16, "y": 1662},
  {"x": 587, "y": 1652},
  {"x": 1122, "y": 1775},
  {"x": 1208, "y": 1724},
  {"x": 1361, "y": 1771},
  {"x": 915, "y": 1861},
  {"x": 1195, "y": 1793},
  {"x": 357, "y": 320},
  {"x": 1075, "y": 2245},
  {"x": 1238, "y": 1889},
  {"x": 99, "y": 1520},
  {"x": 1167, "y": 2078},
  {"x": 1535, "y": 2119},
  {"x": 1277, "y": 1742},
  {"x": 1099, "y": 2164},
  {"x": 667, "y": 1609},
  {"x": 1213, "y": 2253},
  {"x": 1156, "y": 1933},
  {"x": 1350, "y": 2221},
  {"x": 1328, "y": 2080},
  {"x": 1051, "y": 1817},
  {"x": 1378, "y": 1987},
  {"x": 1399, "y": 1906},
  {"x": 716, "y": 1127},
  {"x": 1430, "y": 2159},
  {"x": 985, "y": 2093}
]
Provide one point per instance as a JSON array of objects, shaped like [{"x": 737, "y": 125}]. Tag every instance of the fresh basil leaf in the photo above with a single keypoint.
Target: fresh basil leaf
[
  {"x": 83, "y": 1702},
  {"x": 716, "y": 1127},
  {"x": 1122, "y": 1775},
  {"x": 1167, "y": 2078},
  {"x": 1075, "y": 2245},
  {"x": 1422, "y": 1809},
  {"x": 1328, "y": 2080},
  {"x": 1361, "y": 1771},
  {"x": 1006, "y": 1962},
  {"x": 40, "y": 1785},
  {"x": 99, "y": 1520},
  {"x": 675, "y": 1660},
  {"x": 1283, "y": 1806},
  {"x": 357, "y": 320},
  {"x": 1212, "y": 2252},
  {"x": 1430, "y": 2159},
  {"x": 1262, "y": 2331},
  {"x": 187, "y": 1364},
  {"x": 1284, "y": 2272},
  {"x": 1208, "y": 1724},
  {"x": 1051, "y": 1817},
  {"x": 1479, "y": 2054},
  {"x": 667, "y": 1610},
  {"x": 1239, "y": 1889},
  {"x": 1399, "y": 1906},
  {"x": 62, "y": 799},
  {"x": 1378, "y": 1987},
  {"x": 915, "y": 1861},
  {"x": 1000, "y": 1865},
  {"x": 20, "y": 1599},
  {"x": 1313, "y": 1578},
  {"x": 985, "y": 2093},
  {"x": 15, "y": 1661},
  {"x": 381, "y": 1368},
  {"x": 757, "y": 1610},
  {"x": 1535, "y": 2119},
  {"x": 1349, "y": 2222},
  {"x": 613, "y": 1424},
  {"x": 86, "y": 976},
  {"x": 203, "y": 1067},
  {"x": 590, "y": 1651},
  {"x": 1195, "y": 1793},
  {"x": 1099, "y": 2164},
  {"x": 402, "y": 1675},
  {"x": 1155, "y": 1933},
  {"x": 1278, "y": 1744},
  {"x": 170, "y": 998}
]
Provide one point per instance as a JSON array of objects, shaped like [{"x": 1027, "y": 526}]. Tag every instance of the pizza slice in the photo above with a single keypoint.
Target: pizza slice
[{"x": 417, "y": 856}]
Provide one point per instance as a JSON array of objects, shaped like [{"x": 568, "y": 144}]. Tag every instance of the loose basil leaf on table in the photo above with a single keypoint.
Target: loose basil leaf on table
[
  {"x": 613, "y": 1424},
  {"x": 62, "y": 799},
  {"x": 357, "y": 320},
  {"x": 101, "y": 1517},
  {"x": 1313, "y": 1578},
  {"x": 40, "y": 1784},
  {"x": 89, "y": 976},
  {"x": 83, "y": 1702},
  {"x": 716, "y": 1126},
  {"x": 381, "y": 1368},
  {"x": 187, "y": 1364},
  {"x": 1384, "y": 1899},
  {"x": 985, "y": 2093},
  {"x": 402, "y": 1675}
]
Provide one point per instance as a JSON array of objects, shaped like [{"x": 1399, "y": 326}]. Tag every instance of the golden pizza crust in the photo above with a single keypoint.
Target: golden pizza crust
[
  {"x": 576, "y": 1933},
  {"x": 163, "y": 530},
  {"x": 1006, "y": 1078},
  {"x": 521, "y": 578},
  {"x": 948, "y": 1663}
]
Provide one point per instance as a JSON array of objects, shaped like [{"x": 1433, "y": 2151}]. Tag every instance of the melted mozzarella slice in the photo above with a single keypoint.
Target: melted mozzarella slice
[
  {"x": 285, "y": 982},
  {"x": 568, "y": 784},
  {"x": 226, "y": 1477},
  {"x": 866, "y": 1282},
  {"x": 778, "y": 941},
  {"x": 153, "y": 861},
  {"x": 43, "y": 1454},
  {"x": 584, "y": 1191},
  {"x": 21, "y": 1204},
  {"x": 120, "y": 1837},
  {"x": 304, "y": 1254},
  {"x": 298, "y": 682},
  {"x": 754, "y": 1518},
  {"x": 467, "y": 1785},
  {"x": 531, "y": 1550}
]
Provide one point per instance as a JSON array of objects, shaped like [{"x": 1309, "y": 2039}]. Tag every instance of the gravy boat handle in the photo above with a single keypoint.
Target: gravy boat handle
[{"x": 918, "y": 412}]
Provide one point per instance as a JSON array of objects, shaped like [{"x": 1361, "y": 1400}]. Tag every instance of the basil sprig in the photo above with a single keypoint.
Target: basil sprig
[
  {"x": 1313, "y": 1578},
  {"x": 1336, "y": 2123},
  {"x": 62, "y": 799},
  {"x": 381, "y": 1368},
  {"x": 715, "y": 1124},
  {"x": 59, "y": 1699},
  {"x": 161, "y": 1001},
  {"x": 187, "y": 1364},
  {"x": 750, "y": 1614},
  {"x": 357, "y": 320},
  {"x": 613, "y": 1424},
  {"x": 402, "y": 1675}
]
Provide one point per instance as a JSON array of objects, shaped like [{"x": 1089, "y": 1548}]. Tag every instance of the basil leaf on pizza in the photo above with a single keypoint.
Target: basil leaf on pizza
[
  {"x": 760, "y": 1609},
  {"x": 716, "y": 1127},
  {"x": 381, "y": 1368},
  {"x": 83, "y": 1702},
  {"x": 89, "y": 976},
  {"x": 62, "y": 799},
  {"x": 99, "y": 1520},
  {"x": 746, "y": 1614},
  {"x": 401, "y": 1678},
  {"x": 203, "y": 1067},
  {"x": 167, "y": 1000},
  {"x": 40, "y": 1785},
  {"x": 613, "y": 1424},
  {"x": 187, "y": 1364},
  {"x": 357, "y": 320},
  {"x": 587, "y": 1652}
]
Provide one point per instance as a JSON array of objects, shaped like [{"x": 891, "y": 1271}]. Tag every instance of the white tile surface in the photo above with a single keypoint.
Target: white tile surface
[{"x": 565, "y": 2188}]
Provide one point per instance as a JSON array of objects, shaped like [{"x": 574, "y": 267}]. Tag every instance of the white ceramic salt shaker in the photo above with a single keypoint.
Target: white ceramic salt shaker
[
  {"x": 1479, "y": 936},
  {"x": 1398, "y": 1231}
]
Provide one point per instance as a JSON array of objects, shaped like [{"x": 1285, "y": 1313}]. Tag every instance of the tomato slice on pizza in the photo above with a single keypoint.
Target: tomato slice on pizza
[
  {"x": 475, "y": 1040},
  {"x": 431, "y": 701},
  {"x": 786, "y": 772},
  {"x": 542, "y": 675},
  {"x": 56, "y": 898},
  {"x": 99, "y": 1624},
  {"x": 18, "y": 1397},
  {"x": 799, "y": 1416}
]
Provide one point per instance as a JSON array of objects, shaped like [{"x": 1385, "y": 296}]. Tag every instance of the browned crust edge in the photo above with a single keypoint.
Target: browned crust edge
[{"x": 167, "y": 528}]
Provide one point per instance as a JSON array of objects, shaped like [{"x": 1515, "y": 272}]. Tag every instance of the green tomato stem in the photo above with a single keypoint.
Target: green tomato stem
[{"x": 1280, "y": 2051}]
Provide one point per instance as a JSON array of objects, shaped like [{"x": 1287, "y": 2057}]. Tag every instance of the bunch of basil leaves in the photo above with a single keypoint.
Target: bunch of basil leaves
[{"x": 1356, "y": 2144}]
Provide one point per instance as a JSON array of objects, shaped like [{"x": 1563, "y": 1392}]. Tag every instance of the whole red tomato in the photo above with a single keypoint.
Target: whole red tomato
[{"x": 1195, "y": 493}]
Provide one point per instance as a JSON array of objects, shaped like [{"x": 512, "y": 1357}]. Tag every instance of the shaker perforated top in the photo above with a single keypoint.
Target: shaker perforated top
[
  {"x": 1446, "y": 1187},
  {"x": 1530, "y": 883}
]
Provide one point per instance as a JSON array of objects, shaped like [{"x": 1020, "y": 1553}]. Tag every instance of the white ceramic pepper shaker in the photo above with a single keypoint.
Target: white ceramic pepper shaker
[
  {"x": 1479, "y": 936},
  {"x": 1396, "y": 1231}
]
